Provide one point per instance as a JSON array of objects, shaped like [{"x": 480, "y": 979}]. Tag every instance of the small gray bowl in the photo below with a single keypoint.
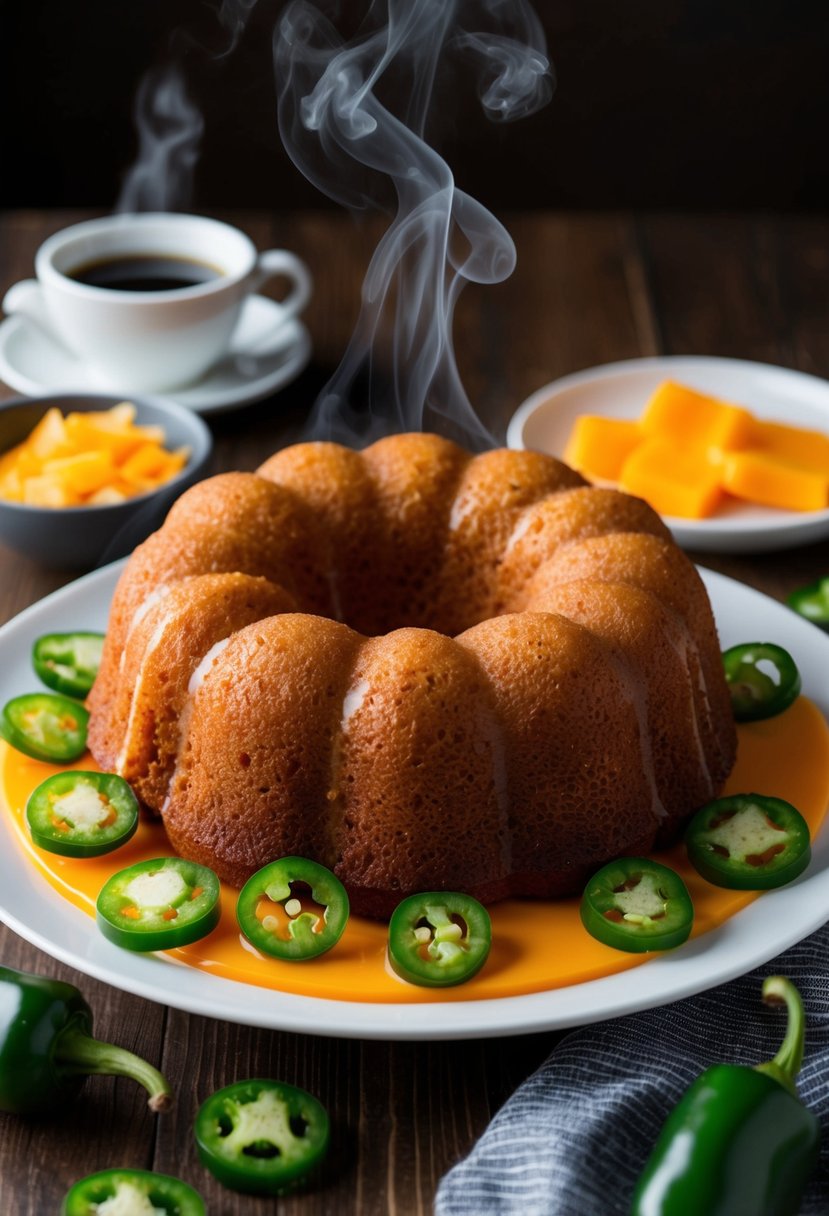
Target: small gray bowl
[{"x": 78, "y": 538}]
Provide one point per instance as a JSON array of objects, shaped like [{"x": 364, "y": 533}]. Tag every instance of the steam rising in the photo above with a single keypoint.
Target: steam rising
[
  {"x": 169, "y": 128},
  {"x": 399, "y": 371},
  {"x": 233, "y": 15},
  {"x": 351, "y": 145},
  {"x": 169, "y": 123}
]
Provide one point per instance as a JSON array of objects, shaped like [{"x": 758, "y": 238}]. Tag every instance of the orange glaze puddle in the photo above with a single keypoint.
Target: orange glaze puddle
[{"x": 536, "y": 945}]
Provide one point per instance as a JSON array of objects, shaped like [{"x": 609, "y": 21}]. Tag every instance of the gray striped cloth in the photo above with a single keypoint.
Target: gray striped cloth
[{"x": 572, "y": 1140}]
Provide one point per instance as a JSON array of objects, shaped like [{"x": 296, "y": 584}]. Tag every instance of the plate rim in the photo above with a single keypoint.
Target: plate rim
[
  {"x": 190, "y": 397},
  {"x": 725, "y": 534},
  {"x": 661, "y": 981}
]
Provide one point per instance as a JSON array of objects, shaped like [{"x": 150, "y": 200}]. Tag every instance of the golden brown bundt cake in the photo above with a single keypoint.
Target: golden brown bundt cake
[
  {"x": 281, "y": 673},
  {"x": 182, "y": 623},
  {"x": 654, "y": 564}
]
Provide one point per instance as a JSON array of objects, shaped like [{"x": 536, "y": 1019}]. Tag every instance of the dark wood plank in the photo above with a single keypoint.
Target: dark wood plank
[
  {"x": 402, "y": 1113},
  {"x": 714, "y": 288},
  {"x": 800, "y": 248},
  {"x": 576, "y": 299}
]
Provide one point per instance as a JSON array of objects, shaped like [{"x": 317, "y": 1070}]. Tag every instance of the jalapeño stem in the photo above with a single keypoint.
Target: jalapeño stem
[
  {"x": 79, "y": 1054},
  {"x": 787, "y": 1063}
]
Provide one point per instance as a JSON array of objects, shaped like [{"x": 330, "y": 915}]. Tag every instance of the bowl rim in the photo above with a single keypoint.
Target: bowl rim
[{"x": 200, "y": 449}]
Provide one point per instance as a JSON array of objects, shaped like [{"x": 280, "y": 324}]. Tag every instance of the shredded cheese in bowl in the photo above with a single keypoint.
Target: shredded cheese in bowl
[{"x": 88, "y": 459}]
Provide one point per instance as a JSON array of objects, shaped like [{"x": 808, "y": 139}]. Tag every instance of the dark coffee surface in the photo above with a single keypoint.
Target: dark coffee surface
[{"x": 145, "y": 272}]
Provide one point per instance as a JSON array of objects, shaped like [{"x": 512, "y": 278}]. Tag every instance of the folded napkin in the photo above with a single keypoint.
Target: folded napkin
[{"x": 572, "y": 1140}]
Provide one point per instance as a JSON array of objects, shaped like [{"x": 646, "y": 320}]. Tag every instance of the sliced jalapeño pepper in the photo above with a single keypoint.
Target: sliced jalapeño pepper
[
  {"x": 159, "y": 904},
  {"x": 636, "y": 904},
  {"x": 748, "y": 842},
  {"x": 439, "y": 938},
  {"x": 762, "y": 678},
  {"x": 739, "y": 1140},
  {"x": 261, "y": 1137},
  {"x": 812, "y": 602},
  {"x": 45, "y": 726},
  {"x": 293, "y": 909},
  {"x": 81, "y": 814},
  {"x": 132, "y": 1191},
  {"x": 68, "y": 662}
]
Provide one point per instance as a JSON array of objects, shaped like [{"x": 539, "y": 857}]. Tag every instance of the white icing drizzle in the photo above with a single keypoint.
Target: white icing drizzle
[
  {"x": 147, "y": 604},
  {"x": 152, "y": 643},
  {"x": 462, "y": 507},
  {"x": 200, "y": 673},
  {"x": 352, "y": 701},
  {"x": 155, "y": 597},
  {"x": 696, "y": 707},
  {"x": 202, "y": 668},
  {"x": 520, "y": 530}
]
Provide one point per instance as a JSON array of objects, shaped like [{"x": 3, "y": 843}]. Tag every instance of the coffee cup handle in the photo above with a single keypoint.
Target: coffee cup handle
[
  {"x": 279, "y": 261},
  {"x": 25, "y": 299}
]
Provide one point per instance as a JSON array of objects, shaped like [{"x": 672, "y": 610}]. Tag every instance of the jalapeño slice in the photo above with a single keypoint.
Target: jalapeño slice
[
  {"x": 749, "y": 842},
  {"x": 812, "y": 602},
  {"x": 45, "y": 726},
  {"x": 81, "y": 814},
  {"x": 159, "y": 904},
  {"x": 261, "y": 1137},
  {"x": 439, "y": 938},
  {"x": 293, "y": 909},
  {"x": 68, "y": 662},
  {"x": 132, "y": 1191},
  {"x": 762, "y": 678},
  {"x": 635, "y": 904}
]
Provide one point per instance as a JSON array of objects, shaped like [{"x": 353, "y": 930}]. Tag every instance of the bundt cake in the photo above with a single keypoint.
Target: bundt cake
[{"x": 421, "y": 668}]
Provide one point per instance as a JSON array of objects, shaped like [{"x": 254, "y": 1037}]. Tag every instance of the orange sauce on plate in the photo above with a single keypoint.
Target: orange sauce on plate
[{"x": 536, "y": 945}]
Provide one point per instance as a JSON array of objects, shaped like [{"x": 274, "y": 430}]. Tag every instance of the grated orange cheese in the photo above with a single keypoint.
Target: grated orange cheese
[{"x": 87, "y": 459}]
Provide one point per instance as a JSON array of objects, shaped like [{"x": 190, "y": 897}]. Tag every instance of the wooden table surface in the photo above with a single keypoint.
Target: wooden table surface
[{"x": 587, "y": 290}]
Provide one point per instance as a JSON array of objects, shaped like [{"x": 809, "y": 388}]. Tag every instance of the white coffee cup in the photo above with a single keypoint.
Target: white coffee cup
[{"x": 150, "y": 340}]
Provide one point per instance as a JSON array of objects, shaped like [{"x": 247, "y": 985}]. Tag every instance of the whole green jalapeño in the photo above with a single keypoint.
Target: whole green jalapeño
[
  {"x": 739, "y": 1142},
  {"x": 635, "y": 904},
  {"x": 749, "y": 842},
  {"x": 68, "y": 662},
  {"x": 159, "y": 904},
  {"x": 47, "y": 1048},
  {"x": 762, "y": 678},
  {"x": 293, "y": 909},
  {"x": 123, "y": 1190},
  {"x": 79, "y": 814},
  {"x": 45, "y": 726},
  {"x": 262, "y": 1137},
  {"x": 439, "y": 938}
]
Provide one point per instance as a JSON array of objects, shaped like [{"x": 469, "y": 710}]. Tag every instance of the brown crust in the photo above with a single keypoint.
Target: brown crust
[{"x": 508, "y": 761}]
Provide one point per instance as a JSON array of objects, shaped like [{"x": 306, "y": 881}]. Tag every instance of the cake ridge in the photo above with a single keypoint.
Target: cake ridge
[{"x": 541, "y": 659}]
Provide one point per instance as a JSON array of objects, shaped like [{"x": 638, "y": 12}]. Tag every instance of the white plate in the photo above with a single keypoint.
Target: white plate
[
  {"x": 265, "y": 355},
  {"x": 760, "y": 931},
  {"x": 620, "y": 390}
]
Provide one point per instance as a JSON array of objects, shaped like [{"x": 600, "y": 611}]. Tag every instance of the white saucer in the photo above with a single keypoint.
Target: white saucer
[
  {"x": 620, "y": 390},
  {"x": 265, "y": 355}
]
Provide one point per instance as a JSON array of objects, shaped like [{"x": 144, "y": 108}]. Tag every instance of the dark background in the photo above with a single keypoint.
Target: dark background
[{"x": 659, "y": 103}]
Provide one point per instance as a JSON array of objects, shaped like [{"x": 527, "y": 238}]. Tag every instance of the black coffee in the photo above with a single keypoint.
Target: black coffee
[{"x": 145, "y": 272}]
